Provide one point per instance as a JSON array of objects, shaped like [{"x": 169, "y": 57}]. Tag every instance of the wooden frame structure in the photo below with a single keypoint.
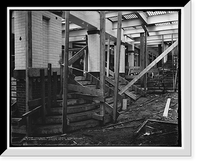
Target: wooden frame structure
[{"x": 110, "y": 31}]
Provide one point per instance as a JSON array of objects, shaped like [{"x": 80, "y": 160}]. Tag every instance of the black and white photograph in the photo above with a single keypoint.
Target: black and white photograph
[{"x": 99, "y": 77}]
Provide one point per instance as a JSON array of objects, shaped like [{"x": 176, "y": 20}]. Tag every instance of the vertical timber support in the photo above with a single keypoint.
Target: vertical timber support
[
  {"x": 28, "y": 29},
  {"x": 142, "y": 55},
  {"x": 65, "y": 80},
  {"x": 49, "y": 88},
  {"x": 85, "y": 67},
  {"x": 108, "y": 57},
  {"x": 42, "y": 81},
  {"x": 102, "y": 62},
  {"x": 119, "y": 25},
  {"x": 55, "y": 80},
  {"x": 145, "y": 61}
]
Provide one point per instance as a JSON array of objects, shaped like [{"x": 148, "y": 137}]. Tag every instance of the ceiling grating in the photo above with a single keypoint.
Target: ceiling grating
[
  {"x": 153, "y": 13},
  {"x": 130, "y": 16}
]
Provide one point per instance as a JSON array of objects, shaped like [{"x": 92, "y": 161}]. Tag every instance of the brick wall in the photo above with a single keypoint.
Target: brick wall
[{"x": 46, "y": 42}]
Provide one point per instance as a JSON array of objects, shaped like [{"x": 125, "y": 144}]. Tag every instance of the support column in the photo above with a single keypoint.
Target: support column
[
  {"x": 102, "y": 61},
  {"x": 131, "y": 57},
  {"x": 145, "y": 61},
  {"x": 65, "y": 80},
  {"x": 122, "y": 58},
  {"x": 142, "y": 55},
  {"x": 108, "y": 58},
  {"x": 28, "y": 30},
  {"x": 117, "y": 66},
  {"x": 159, "y": 52}
]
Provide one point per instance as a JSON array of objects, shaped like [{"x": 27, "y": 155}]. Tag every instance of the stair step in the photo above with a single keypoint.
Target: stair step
[
  {"x": 79, "y": 78},
  {"x": 76, "y": 101},
  {"x": 74, "y": 109},
  {"x": 85, "y": 82},
  {"x": 109, "y": 100},
  {"x": 72, "y": 117}
]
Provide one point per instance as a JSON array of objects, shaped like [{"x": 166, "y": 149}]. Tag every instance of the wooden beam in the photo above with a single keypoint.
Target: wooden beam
[
  {"x": 142, "y": 55},
  {"x": 28, "y": 38},
  {"x": 65, "y": 80},
  {"x": 55, "y": 81},
  {"x": 157, "y": 33},
  {"x": 165, "y": 113},
  {"x": 102, "y": 60},
  {"x": 42, "y": 81},
  {"x": 78, "y": 55},
  {"x": 145, "y": 60},
  {"x": 108, "y": 57},
  {"x": 49, "y": 88},
  {"x": 129, "y": 94},
  {"x": 152, "y": 28},
  {"x": 149, "y": 66},
  {"x": 142, "y": 16},
  {"x": 119, "y": 26}
]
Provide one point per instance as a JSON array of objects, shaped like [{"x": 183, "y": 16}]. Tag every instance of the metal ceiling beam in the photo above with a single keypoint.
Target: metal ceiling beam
[
  {"x": 157, "y": 33},
  {"x": 153, "y": 29},
  {"x": 150, "y": 20},
  {"x": 150, "y": 38}
]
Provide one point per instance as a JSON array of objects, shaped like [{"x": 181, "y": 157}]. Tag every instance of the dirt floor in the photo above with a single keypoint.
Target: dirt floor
[{"x": 123, "y": 132}]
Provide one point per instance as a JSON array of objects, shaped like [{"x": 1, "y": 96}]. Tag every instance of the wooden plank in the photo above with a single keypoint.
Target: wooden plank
[
  {"x": 55, "y": 80},
  {"x": 65, "y": 80},
  {"x": 28, "y": 41},
  {"x": 102, "y": 61},
  {"x": 42, "y": 81},
  {"x": 142, "y": 56},
  {"x": 149, "y": 66},
  {"x": 119, "y": 25},
  {"x": 145, "y": 60},
  {"x": 78, "y": 55},
  {"x": 165, "y": 113},
  {"x": 108, "y": 58},
  {"x": 49, "y": 88},
  {"x": 29, "y": 113},
  {"x": 129, "y": 94}
]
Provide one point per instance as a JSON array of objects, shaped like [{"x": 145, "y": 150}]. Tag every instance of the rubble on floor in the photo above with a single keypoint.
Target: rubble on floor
[{"x": 123, "y": 132}]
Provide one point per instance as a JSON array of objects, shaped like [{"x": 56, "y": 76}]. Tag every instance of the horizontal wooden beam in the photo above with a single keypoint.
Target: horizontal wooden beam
[
  {"x": 152, "y": 28},
  {"x": 90, "y": 21},
  {"x": 152, "y": 38},
  {"x": 169, "y": 49},
  {"x": 157, "y": 33}
]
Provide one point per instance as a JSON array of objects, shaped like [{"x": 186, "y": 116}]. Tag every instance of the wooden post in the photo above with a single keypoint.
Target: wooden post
[
  {"x": 85, "y": 67},
  {"x": 28, "y": 38},
  {"x": 145, "y": 60},
  {"x": 55, "y": 79},
  {"x": 142, "y": 56},
  {"x": 49, "y": 88},
  {"x": 102, "y": 61},
  {"x": 42, "y": 81},
  {"x": 160, "y": 57},
  {"x": 108, "y": 57},
  {"x": 119, "y": 25},
  {"x": 65, "y": 80}
]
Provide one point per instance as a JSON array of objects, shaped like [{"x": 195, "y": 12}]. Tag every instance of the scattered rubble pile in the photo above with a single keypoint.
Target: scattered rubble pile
[{"x": 142, "y": 124}]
